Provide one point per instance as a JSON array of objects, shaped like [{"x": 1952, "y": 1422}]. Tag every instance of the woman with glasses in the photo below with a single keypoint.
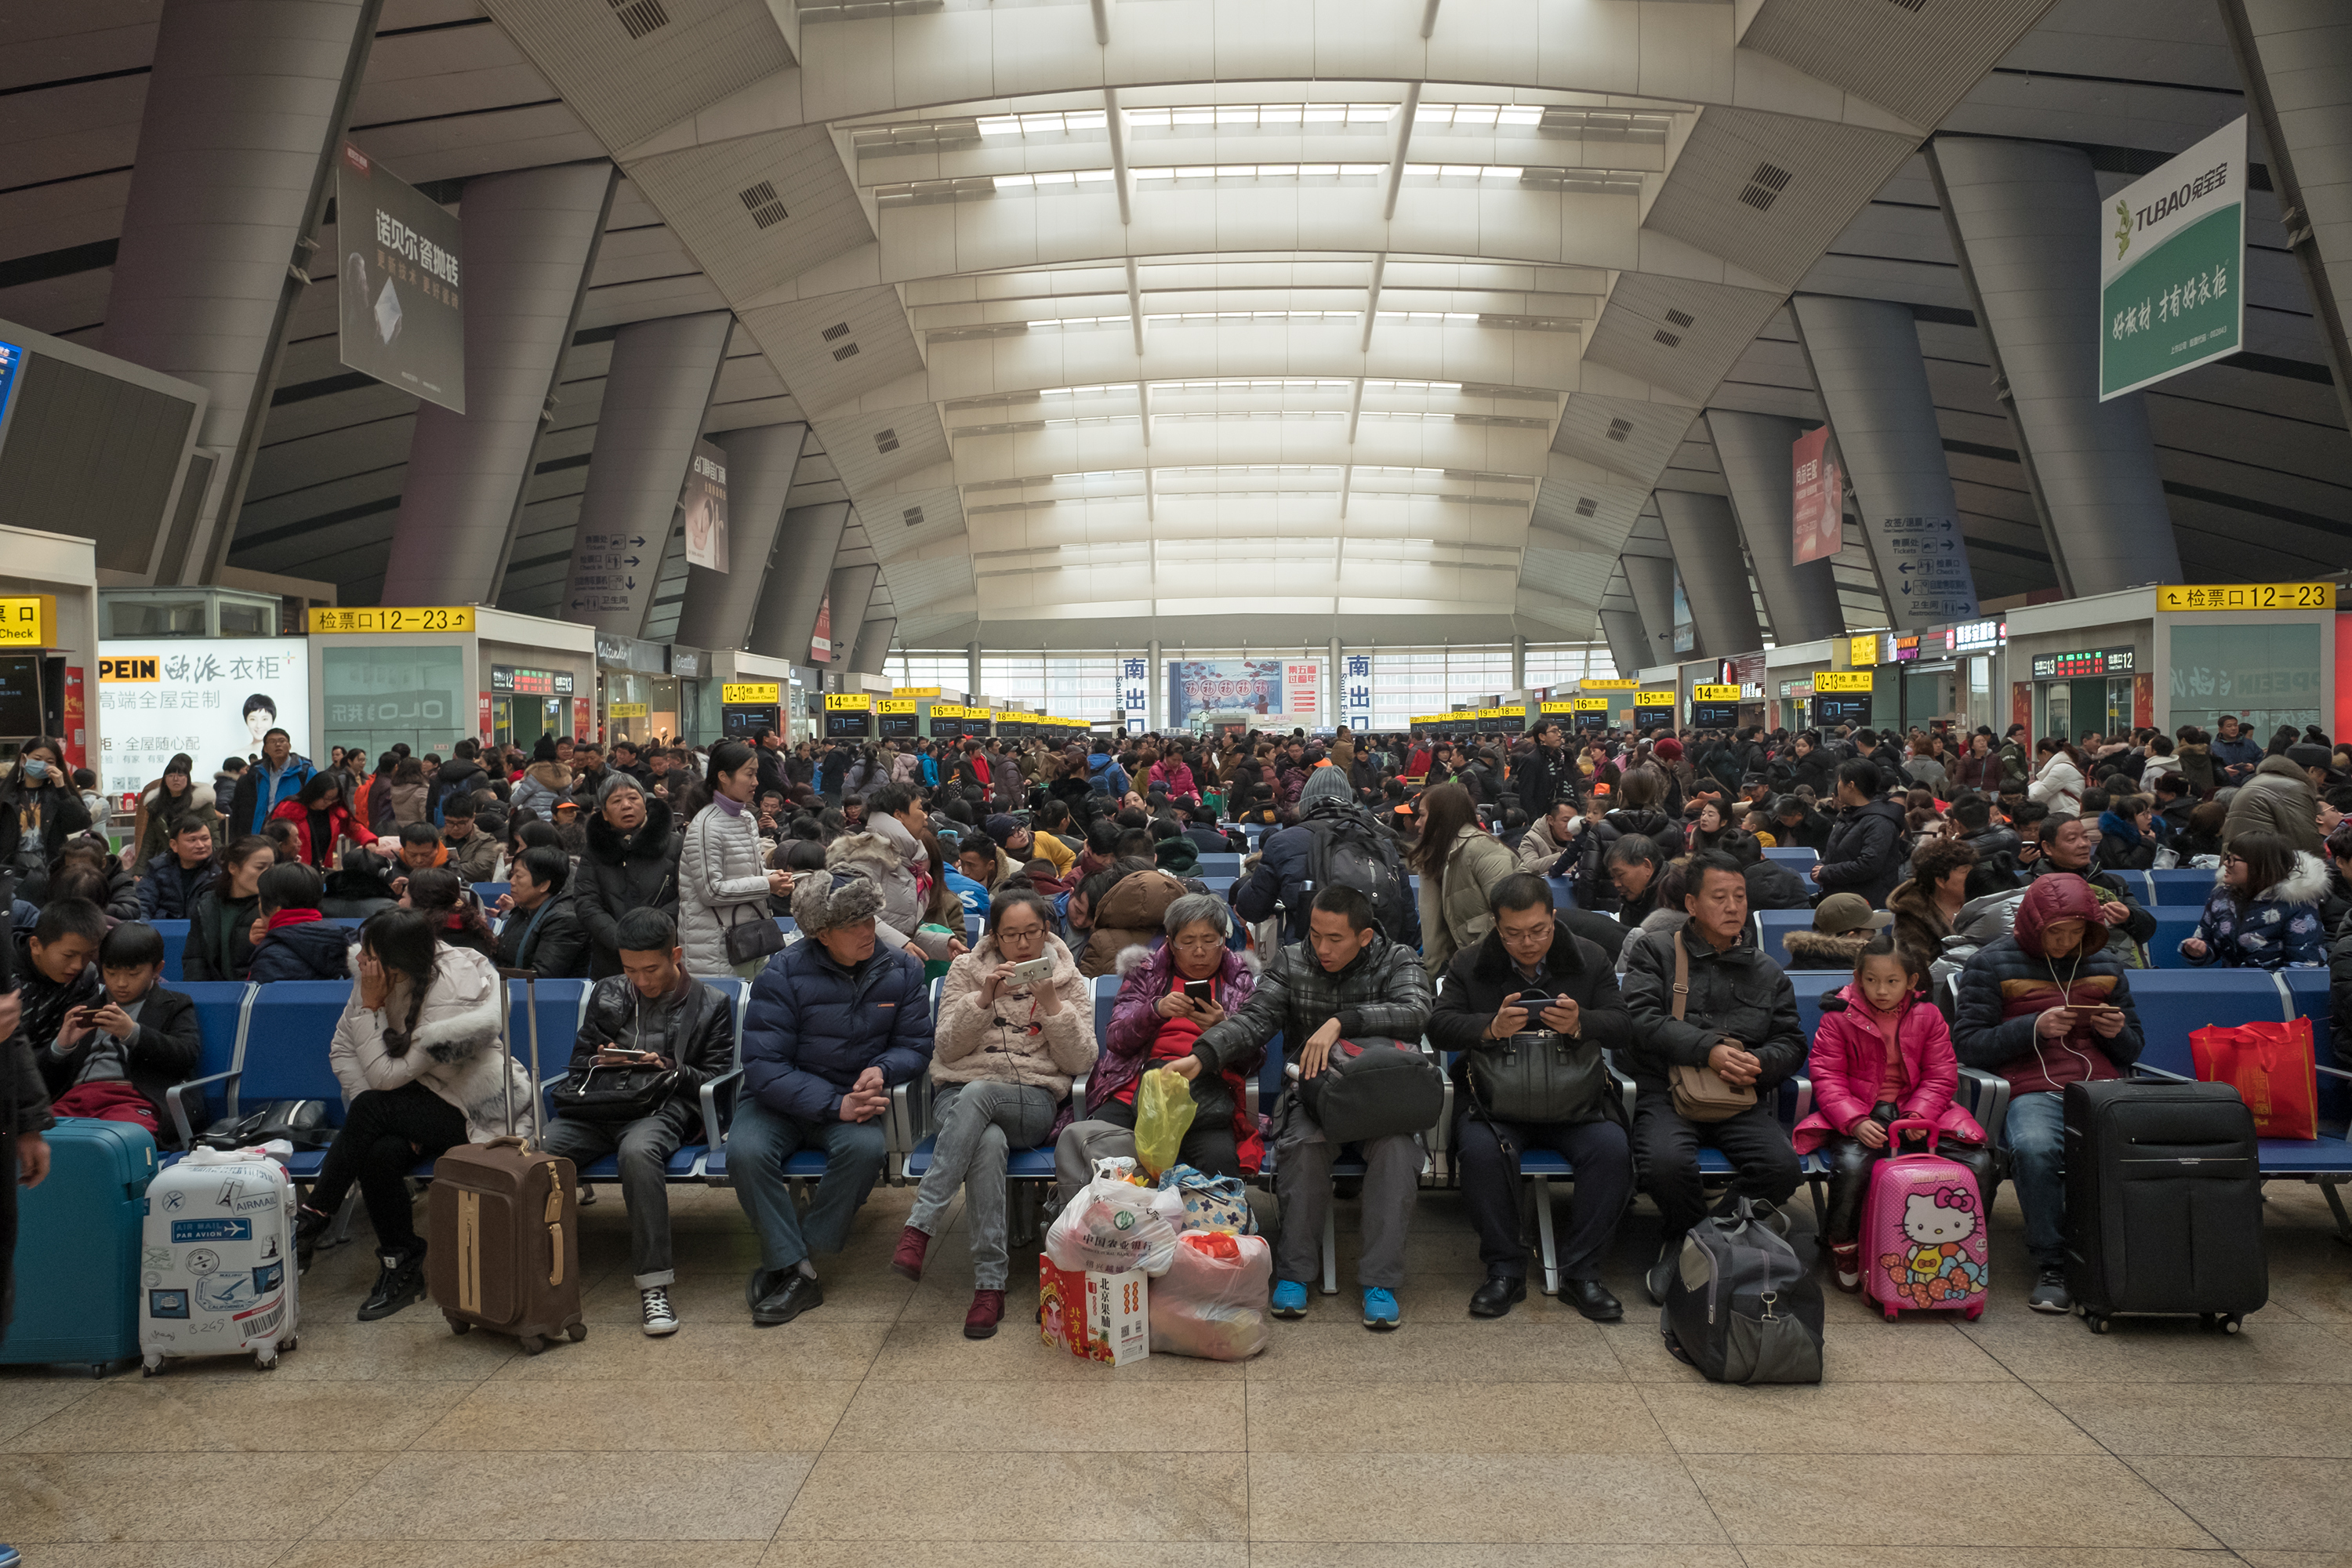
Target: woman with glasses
[{"x": 2263, "y": 912}]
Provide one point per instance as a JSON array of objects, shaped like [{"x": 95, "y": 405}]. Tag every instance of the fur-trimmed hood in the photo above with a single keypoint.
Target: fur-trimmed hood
[
  {"x": 611, "y": 845},
  {"x": 550, "y": 775},
  {"x": 2306, "y": 884},
  {"x": 453, "y": 1051},
  {"x": 1820, "y": 950},
  {"x": 865, "y": 853},
  {"x": 1130, "y": 958},
  {"x": 200, "y": 795}
]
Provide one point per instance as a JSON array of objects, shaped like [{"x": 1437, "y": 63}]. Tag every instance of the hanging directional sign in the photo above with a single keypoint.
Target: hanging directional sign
[{"x": 2172, "y": 256}]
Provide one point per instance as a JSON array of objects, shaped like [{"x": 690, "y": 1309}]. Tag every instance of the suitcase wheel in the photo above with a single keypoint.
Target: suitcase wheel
[
  {"x": 1975, "y": 1311},
  {"x": 290, "y": 1342},
  {"x": 1893, "y": 1313},
  {"x": 267, "y": 1360},
  {"x": 2097, "y": 1321},
  {"x": 531, "y": 1344},
  {"x": 151, "y": 1366},
  {"x": 578, "y": 1331},
  {"x": 2230, "y": 1323},
  {"x": 459, "y": 1325}
]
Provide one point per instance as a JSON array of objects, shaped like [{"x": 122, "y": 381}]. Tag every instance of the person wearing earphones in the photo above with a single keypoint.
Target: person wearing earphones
[{"x": 2045, "y": 1006}]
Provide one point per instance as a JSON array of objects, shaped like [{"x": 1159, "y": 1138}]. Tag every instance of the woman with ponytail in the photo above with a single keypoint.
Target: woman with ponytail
[{"x": 417, "y": 1053}]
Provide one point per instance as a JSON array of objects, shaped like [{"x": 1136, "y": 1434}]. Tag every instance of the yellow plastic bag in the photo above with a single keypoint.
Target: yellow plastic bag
[{"x": 1164, "y": 1111}]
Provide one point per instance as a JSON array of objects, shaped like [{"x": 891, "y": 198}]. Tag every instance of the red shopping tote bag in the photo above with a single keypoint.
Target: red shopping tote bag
[{"x": 2271, "y": 1067}]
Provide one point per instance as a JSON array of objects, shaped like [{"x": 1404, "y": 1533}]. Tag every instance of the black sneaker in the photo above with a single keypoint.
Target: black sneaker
[
  {"x": 1661, "y": 1272},
  {"x": 401, "y": 1284},
  {"x": 2049, "y": 1292},
  {"x": 310, "y": 1225}
]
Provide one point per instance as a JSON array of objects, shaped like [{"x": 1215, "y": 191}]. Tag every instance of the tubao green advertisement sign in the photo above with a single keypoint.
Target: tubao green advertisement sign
[{"x": 2171, "y": 266}]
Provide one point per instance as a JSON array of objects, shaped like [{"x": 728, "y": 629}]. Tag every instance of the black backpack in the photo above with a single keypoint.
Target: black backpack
[{"x": 1349, "y": 849}]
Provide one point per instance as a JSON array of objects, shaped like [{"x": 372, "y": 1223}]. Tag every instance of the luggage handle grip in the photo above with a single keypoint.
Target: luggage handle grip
[
  {"x": 1901, "y": 1122},
  {"x": 530, "y": 978}
]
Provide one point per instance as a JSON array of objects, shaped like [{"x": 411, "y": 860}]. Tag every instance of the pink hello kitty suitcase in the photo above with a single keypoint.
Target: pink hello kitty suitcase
[{"x": 1923, "y": 1231}]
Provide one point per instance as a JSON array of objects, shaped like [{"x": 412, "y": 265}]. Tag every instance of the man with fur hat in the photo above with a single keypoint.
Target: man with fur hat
[{"x": 835, "y": 1021}]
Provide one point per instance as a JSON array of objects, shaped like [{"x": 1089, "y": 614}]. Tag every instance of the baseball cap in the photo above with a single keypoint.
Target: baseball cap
[{"x": 1841, "y": 914}]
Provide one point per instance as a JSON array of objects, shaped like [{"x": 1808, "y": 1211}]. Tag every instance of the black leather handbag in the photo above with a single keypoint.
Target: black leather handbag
[
  {"x": 1538, "y": 1078},
  {"x": 754, "y": 939},
  {"x": 613, "y": 1092}
]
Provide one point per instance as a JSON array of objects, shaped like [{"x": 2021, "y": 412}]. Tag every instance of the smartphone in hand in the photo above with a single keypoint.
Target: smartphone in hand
[{"x": 1201, "y": 990}]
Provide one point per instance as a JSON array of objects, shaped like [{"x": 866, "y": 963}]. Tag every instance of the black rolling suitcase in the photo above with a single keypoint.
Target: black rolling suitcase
[{"x": 2164, "y": 1207}]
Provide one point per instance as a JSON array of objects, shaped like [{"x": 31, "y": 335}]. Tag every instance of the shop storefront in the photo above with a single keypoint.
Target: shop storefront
[
  {"x": 1615, "y": 708},
  {"x": 50, "y": 647},
  {"x": 169, "y": 686},
  {"x": 425, "y": 675},
  {"x": 639, "y": 695},
  {"x": 2164, "y": 656},
  {"x": 736, "y": 694},
  {"x": 1788, "y": 681}
]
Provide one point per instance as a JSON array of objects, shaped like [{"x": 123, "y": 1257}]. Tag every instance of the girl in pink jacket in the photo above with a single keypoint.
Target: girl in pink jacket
[{"x": 1882, "y": 1053}]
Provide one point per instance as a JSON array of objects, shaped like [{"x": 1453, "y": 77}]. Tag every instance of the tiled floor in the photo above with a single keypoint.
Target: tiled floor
[{"x": 871, "y": 1433}]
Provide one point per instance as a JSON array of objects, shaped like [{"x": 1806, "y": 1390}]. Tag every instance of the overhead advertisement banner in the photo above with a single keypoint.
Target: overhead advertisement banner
[
  {"x": 1685, "y": 629},
  {"x": 401, "y": 322},
  {"x": 2171, "y": 266},
  {"x": 1818, "y": 493},
  {"x": 1223, "y": 686},
  {"x": 702, "y": 507}
]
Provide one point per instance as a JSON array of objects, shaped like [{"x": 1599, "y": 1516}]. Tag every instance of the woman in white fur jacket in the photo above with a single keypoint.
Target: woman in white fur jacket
[{"x": 417, "y": 1052}]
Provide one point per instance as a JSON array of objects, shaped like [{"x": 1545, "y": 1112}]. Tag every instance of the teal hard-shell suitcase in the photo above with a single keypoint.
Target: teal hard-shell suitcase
[{"x": 78, "y": 1239}]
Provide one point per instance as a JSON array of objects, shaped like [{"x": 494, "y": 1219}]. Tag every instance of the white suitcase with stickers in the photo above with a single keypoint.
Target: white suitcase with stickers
[{"x": 217, "y": 1260}]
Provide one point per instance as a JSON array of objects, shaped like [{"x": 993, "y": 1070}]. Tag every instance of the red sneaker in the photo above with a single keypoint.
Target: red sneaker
[
  {"x": 908, "y": 1259},
  {"x": 987, "y": 1307}
]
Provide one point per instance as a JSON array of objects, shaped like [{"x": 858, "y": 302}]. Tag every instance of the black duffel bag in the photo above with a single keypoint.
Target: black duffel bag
[
  {"x": 1374, "y": 1088},
  {"x": 613, "y": 1092}
]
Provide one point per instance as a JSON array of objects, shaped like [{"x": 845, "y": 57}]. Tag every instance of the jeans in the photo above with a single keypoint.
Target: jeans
[
  {"x": 1302, "y": 1182},
  {"x": 645, "y": 1147},
  {"x": 757, "y": 1147},
  {"x": 1665, "y": 1153},
  {"x": 1603, "y": 1164},
  {"x": 386, "y": 1133},
  {"x": 2035, "y": 1134},
  {"x": 1208, "y": 1146},
  {"x": 1850, "y": 1168},
  {"x": 979, "y": 1124}
]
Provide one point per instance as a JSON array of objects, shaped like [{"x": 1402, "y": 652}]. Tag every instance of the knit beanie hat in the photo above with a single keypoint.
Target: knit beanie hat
[{"x": 1324, "y": 783}]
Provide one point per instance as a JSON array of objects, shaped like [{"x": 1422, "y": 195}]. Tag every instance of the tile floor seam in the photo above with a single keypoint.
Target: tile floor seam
[{"x": 2183, "y": 1509}]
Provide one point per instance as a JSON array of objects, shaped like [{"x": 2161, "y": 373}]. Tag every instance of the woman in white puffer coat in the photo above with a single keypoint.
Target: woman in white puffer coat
[{"x": 722, "y": 880}]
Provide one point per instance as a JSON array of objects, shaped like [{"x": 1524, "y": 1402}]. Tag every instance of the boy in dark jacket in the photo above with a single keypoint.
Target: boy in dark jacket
[
  {"x": 300, "y": 943},
  {"x": 1530, "y": 953},
  {"x": 651, "y": 1015},
  {"x": 1867, "y": 848},
  {"x": 116, "y": 1055},
  {"x": 56, "y": 972},
  {"x": 2042, "y": 1007},
  {"x": 1740, "y": 1022},
  {"x": 834, "y": 1023},
  {"x": 179, "y": 873}
]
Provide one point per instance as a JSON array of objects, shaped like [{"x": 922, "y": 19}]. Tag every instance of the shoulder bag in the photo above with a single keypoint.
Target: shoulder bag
[
  {"x": 1701, "y": 1093},
  {"x": 613, "y": 1093},
  {"x": 1538, "y": 1077}
]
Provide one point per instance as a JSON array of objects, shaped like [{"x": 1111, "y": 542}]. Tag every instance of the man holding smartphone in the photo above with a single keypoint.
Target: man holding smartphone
[{"x": 653, "y": 1026}]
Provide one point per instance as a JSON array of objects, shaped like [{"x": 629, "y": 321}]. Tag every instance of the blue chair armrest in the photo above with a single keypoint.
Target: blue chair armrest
[
  {"x": 1986, "y": 1095},
  {"x": 2335, "y": 1072},
  {"x": 177, "y": 1106},
  {"x": 710, "y": 1132}
]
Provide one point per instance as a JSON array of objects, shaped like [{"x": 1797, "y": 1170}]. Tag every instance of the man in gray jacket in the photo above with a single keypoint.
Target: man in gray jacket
[{"x": 1347, "y": 981}]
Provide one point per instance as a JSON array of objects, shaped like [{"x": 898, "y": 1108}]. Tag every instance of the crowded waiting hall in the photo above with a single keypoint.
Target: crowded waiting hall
[{"x": 1455, "y": 783}]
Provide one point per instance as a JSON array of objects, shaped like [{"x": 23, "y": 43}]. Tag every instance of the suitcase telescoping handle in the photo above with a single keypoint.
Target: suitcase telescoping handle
[
  {"x": 530, "y": 978},
  {"x": 1913, "y": 1125}
]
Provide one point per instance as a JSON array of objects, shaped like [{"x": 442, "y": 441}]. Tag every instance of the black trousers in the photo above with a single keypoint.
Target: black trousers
[
  {"x": 385, "y": 1134},
  {"x": 1487, "y": 1154},
  {"x": 1850, "y": 1168},
  {"x": 1665, "y": 1155}
]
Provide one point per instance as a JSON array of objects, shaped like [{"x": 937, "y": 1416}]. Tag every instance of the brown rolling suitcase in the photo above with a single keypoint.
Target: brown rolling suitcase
[{"x": 503, "y": 1225}]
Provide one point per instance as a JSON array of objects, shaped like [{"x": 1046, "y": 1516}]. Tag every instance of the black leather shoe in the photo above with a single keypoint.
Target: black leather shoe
[
  {"x": 798, "y": 1294},
  {"x": 1661, "y": 1272},
  {"x": 310, "y": 1225},
  {"x": 1592, "y": 1299},
  {"x": 1493, "y": 1298},
  {"x": 762, "y": 1285},
  {"x": 401, "y": 1283}
]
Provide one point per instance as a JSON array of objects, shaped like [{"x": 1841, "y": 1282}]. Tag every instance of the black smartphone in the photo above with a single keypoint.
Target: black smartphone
[{"x": 1201, "y": 990}]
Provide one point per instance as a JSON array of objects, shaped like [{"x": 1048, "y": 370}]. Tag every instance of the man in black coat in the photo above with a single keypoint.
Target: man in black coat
[
  {"x": 631, "y": 864},
  {"x": 1529, "y": 953},
  {"x": 543, "y": 932},
  {"x": 1866, "y": 849},
  {"x": 1546, "y": 775},
  {"x": 1740, "y": 1023},
  {"x": 174, "y": 879},
  {"x": 1771, "y": 885},
  {"x": 1796, "y": 826}
]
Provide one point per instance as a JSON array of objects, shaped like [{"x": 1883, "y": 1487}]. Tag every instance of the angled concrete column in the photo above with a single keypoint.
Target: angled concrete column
[
  {"x": 1627, "y": 640},
  {"x": 2297, "y": 58},
  {"x": 1650, "y": 580},
  {"x": 1715, "y": 573},
  {"x": 785, "y": 622},
  {"x": 873, "y": 649},
  {"x": 1866, "y": 362},
  {"x": 245, "y": 108},
  {"x": 971, "y": 667},
  {"x": 656, "y": 395},
  {"x": 2025, "y": 221},
  {"x": 718, "y": 605},
  {"x": 1802, "y": 600},
  {"x": 530, "y": 241},
  {"x": 850, "y": 588}
]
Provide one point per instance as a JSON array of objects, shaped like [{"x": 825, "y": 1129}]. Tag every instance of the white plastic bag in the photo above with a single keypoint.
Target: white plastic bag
[
  {"x": 1111, "y": 1226},
  {"x": 1212, "y": 1301}
]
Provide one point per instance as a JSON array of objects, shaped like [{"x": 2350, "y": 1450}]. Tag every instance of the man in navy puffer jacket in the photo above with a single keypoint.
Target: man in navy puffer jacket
[{"x": 834, "y": 1022}]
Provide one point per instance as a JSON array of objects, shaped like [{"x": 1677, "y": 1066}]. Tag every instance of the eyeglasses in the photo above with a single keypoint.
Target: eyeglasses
[{"x": 2233, "y": 860}]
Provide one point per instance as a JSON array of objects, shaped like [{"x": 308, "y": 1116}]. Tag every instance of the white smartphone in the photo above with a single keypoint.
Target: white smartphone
[{"x": 1034, "y": 969}]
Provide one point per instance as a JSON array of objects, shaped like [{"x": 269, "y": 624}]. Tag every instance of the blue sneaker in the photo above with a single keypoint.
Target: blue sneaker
[
  {"x": 1289, "y": 1303},
  {"x": 10, "y": 1557},
  {"x": 1380, "y": 1311}
]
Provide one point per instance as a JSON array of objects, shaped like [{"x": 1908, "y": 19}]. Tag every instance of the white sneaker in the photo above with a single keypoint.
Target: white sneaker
[
  {"x": 587, "y": 1198},
  {"x": 660, "y": 1318}
]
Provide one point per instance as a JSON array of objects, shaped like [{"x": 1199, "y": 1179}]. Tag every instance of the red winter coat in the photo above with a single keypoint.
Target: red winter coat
[
  {"x": 1848, "y": 1058},
  {"x": 340, "y": 825}
]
